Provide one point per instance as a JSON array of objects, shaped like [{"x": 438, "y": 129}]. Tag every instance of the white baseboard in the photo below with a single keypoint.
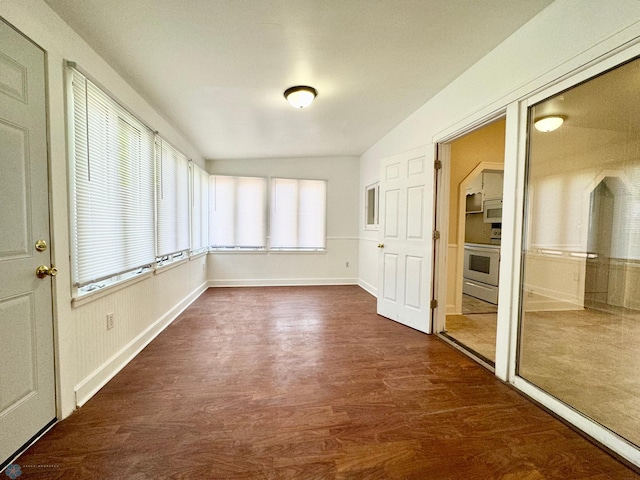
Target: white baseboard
[
  {"x": 368, "y": 287},
  {"x": 99, "y": 378},
  {"x": 281, "y": 282}
]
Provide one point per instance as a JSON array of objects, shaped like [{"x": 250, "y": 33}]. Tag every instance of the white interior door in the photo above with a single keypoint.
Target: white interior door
[
  {"x": 404, "y": 264},
  {"x": 27, "y": 386}
]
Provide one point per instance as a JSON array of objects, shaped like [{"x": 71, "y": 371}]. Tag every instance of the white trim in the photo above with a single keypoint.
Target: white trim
[
  {"x": 109, "y": 369},
  {"x": 468, "y": 125},
  {"x": 160, "y": 269},
  {"x": 280, "y": 282},
  {"x": 439, "y": 274},
  {"x": 618, "y": 43},
  {"x": 89, "y": 297},
  {"x": 512, "y": 239},
  {"x": 593, "y": 66},
  {"x": 343, "y": 238},
  {"x": 194, "y": 256},
  {"x": 599, "y": 433},
  {"x": 512, "y": 198},
  {"x": 368, "y": 287}
]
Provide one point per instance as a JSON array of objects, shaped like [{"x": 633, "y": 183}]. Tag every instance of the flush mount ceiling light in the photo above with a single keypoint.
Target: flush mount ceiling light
[
  {"x": 548, "y": 123},
  {"x": 300, "y": 96}
]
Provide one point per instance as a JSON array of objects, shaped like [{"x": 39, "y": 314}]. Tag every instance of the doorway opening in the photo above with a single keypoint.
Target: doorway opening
[{"x": 473, "y": 180}]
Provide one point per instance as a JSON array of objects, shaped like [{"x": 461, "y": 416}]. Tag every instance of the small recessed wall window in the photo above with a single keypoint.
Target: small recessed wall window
[{"x": 371, "y": 206}]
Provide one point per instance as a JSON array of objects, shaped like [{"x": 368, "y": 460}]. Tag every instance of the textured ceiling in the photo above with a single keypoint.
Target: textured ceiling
[{"x": 216, "y": 69}]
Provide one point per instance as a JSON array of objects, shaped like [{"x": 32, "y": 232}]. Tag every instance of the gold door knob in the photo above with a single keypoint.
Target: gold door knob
[
  {"x": 381, "y": 245},
  {"x": 43, "y": 271}
]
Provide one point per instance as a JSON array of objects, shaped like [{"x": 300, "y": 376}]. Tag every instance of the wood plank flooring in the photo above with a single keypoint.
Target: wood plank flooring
[{"x": 308, "y": 383}]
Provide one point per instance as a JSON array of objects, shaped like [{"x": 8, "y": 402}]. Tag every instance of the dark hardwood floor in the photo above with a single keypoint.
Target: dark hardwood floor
[{"x": 308, "y": 383}]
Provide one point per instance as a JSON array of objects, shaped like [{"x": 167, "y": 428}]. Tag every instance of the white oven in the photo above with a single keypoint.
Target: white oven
[{"x": 481, "y": 269}]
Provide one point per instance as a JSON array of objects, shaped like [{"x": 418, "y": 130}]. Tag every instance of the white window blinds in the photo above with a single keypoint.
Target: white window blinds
[
  {"x": 298, "y": 214},
  {"x": 199, "y": 209},
  {"x": 237, "y": 212},
  {"x": 113, "y": 232},
  {"x": 172, "y": 199}
]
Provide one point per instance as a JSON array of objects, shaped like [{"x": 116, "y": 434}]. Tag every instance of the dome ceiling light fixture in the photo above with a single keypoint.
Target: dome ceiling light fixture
[
  {"x": 300, "y": 96},
  {"x": 548, "y": 123}
]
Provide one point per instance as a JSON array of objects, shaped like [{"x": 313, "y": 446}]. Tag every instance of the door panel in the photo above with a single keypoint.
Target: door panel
[
  {"x": 415, "y": 213},
  {"x": 27, "y": 388},
  {"x": 404, "y": 260},
  {"x": 391, "y": 214},
  {"x": 390, "y": 276},
  {"x": 413, "y": 282},
  {"x": 18, "y": 376}
]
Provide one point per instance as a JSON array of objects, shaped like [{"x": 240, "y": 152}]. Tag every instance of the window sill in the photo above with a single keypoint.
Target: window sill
[
  {"x": 168, "y": 266},
  {"x": 237, "y": 252},
  {"x": 108, "y": 290},
  {"x": 264, "y": 252},
  {"x": 300, "y": 252}
]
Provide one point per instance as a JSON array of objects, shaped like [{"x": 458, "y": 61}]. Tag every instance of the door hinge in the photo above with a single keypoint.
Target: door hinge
[
  {"x": 436, "y": 235},
  {"x": 433, "y": 304},
  {"x": 438, "y": 165}
]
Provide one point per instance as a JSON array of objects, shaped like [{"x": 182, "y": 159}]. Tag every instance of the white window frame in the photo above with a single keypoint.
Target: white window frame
[
  {"x": 218, "y": 211},
  {"x": 80, "y": 153},
  {"x": 289, "y": 246},
  {"x": 369, "y": 205},
  {"x": 199, "y": 209},
  {"x": 172, "y": 203}
]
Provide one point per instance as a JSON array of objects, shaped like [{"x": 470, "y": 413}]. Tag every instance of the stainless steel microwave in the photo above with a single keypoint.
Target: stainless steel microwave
[{"x": 492, "y": 211}]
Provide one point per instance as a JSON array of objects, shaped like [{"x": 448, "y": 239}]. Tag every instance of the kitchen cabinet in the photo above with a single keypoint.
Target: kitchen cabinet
[
  {"x": 476, "y": 185},
  {"x": 492, "y": 185},
  {"x": 486, "y": 186}
]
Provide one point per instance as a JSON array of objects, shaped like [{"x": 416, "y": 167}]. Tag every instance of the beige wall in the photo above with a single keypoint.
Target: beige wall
[{"x": 484, "y": 145}]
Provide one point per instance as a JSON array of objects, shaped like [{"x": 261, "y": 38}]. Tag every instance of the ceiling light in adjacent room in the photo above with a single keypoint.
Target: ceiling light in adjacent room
[
  {"x": 548, "y": 123},
  {"x": 300, "y": 96}
]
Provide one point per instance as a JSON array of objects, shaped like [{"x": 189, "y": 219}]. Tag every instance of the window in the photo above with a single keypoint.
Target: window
[
  {"x": 112, "y": 193},
  {"x": 199, "y": 209},
  {"x": 581, "y": 251},
  {"x": 371, "y": 206},
  {"x": 172, "y": 198},
  {"x": 237, "y": 207},
  {"x": 298, "y": 214}
]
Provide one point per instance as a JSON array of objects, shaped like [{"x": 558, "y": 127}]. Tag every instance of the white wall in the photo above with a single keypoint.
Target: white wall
[
  {"x": 87, "y": 355},
  {"x": 561, "y": 39},
  {"x": 304, "y": 268}
]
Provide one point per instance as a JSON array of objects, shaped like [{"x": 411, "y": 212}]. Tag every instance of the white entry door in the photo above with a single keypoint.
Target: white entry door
[
  {"x": 405, "y": 255},
  {"x": 27, "y": 386}
]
